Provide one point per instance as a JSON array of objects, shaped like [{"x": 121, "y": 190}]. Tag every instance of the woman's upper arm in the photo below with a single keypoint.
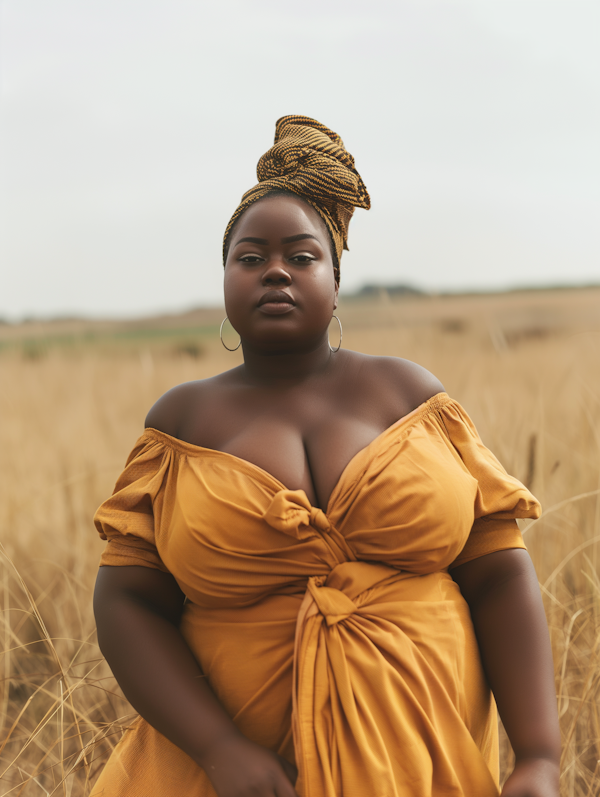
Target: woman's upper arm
[
  {"x": 154, "y": 589},
  {"x": 479, "y": 576}
]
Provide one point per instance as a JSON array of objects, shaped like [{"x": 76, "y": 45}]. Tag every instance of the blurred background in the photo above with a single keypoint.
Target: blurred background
[{"x": 130, "y": 131}]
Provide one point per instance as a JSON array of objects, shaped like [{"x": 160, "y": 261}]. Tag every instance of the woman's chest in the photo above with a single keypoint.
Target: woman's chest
[
  {"x": 305, "y": 441},
  {"x": 310, "y": 458}
]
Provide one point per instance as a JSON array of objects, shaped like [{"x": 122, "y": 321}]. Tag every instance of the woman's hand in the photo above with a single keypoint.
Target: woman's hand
[
  {"x": 238, "y": 767},
  {"x": 536, "y": 777}
]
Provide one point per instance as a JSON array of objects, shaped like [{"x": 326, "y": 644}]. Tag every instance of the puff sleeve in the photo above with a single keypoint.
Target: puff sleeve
[
  {"x": 130, "y": 520},
  {"x": 500, "y": 498}
]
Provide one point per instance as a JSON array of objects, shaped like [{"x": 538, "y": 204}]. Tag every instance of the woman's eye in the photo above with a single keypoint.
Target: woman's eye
[
  {"x": 302, "y": 258},
  {"x": 250, "y": 259}
]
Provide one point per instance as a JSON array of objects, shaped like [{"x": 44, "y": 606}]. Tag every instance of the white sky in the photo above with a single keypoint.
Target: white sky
[{"x": 130, "y": 129}]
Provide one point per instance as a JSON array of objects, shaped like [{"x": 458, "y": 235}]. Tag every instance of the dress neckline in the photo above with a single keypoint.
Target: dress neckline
[{"x": 436, "y": 401}]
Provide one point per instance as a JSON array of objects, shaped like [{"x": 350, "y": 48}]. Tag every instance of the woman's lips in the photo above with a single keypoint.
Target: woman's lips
[
  {"x": 276, "y": 303},
  {"x": 275, "y": 308}
]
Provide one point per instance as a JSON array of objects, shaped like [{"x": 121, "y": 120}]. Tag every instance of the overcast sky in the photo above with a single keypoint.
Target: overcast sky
[{"x": 130, "y": 129}]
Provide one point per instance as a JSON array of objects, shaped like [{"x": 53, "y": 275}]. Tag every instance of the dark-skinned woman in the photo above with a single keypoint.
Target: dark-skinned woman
[{"x": 314, "y": 580}]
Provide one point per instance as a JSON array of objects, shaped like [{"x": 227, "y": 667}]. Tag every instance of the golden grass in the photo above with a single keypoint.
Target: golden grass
[{"x": 524, "y": 365}]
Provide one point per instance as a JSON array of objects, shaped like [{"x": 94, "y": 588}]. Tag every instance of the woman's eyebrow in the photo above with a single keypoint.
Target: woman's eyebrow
[
  {"x": 251, "y": 240},
  {"x": 299, "y": 237}
]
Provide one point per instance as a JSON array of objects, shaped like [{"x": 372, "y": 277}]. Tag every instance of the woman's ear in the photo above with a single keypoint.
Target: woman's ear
[{"x": 335, "y": 300}]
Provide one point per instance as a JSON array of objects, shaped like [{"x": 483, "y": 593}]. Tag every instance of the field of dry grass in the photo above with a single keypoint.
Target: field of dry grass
[{"x": 72, "y": 401}]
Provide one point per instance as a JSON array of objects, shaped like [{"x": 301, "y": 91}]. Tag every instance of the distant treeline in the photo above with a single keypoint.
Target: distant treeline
[
  {"x": 371, "y": 290},
  {"x": 374, "y": 290}
]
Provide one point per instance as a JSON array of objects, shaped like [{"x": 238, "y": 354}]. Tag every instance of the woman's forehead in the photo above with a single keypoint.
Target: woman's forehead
[{"x": 280, "y": 216}]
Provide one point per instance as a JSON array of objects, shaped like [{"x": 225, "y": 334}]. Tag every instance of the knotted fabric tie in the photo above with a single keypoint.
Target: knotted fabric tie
[
  {"x": 335, "y": 622},
  {"x": 291, "y": 509},
  {"x": 333, "y": 604},
  {"x": 332, "y": 595},
  {"x": 291, "y": 512},
  {"x": 341, "y": 593}
]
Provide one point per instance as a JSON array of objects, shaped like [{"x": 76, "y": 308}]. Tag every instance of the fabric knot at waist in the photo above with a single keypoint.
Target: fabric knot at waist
[
  {"x": 334, "y": 596},
  {"x": 333, "y": 604}
]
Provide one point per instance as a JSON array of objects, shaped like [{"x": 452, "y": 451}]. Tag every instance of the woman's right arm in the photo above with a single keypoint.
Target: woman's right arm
[{"x": 137, "y": 614}]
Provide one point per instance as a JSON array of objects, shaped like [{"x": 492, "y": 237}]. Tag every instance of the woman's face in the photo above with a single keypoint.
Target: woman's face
[{"x": 280, "y": 289}]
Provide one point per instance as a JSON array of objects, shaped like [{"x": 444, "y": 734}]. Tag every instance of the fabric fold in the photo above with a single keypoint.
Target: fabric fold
[{"x": 363, "y": 725}]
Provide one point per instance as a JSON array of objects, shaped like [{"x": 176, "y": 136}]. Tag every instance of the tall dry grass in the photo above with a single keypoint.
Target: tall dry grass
[{"x": 525, "y": 367}]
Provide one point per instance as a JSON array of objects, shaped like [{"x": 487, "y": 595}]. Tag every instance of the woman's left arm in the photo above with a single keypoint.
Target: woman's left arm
[{"x": 506, "y": 606}]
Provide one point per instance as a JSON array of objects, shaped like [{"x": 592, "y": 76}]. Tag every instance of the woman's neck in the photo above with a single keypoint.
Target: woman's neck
[{"x": 285, "y": 367}]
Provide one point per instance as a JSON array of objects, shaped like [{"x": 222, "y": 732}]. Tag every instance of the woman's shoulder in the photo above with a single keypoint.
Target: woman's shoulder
[
  {"x": 406, "y": 381},
  {"x": 174, "y": 407},
  {"x": 400, "y": 386}
]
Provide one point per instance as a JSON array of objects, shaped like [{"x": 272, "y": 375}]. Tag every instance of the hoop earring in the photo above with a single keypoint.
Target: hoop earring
[
  {"x": 223, "y": 342},
  {"x": 340, "y": 343}
]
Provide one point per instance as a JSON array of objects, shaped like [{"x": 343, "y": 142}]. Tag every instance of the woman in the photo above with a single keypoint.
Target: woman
[{"x": 275, "y": 597}]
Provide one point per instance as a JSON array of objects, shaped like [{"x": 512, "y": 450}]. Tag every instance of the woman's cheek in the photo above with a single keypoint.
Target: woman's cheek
[{"x": 236, "y": 295}]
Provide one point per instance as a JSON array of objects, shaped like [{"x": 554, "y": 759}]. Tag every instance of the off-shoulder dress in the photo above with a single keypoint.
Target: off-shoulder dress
[{"x": 336, "y": 638}]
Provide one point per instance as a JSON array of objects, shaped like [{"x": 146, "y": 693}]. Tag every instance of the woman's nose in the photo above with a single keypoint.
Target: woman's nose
[{"x": 275, "y": 272}]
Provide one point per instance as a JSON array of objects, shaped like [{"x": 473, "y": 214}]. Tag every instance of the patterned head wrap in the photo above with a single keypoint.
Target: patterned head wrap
[{"x": 310, "y": 160}]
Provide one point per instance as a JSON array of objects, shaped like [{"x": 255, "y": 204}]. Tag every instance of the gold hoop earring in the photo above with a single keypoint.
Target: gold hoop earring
[
  {"x": 221, "y": 336},
  {"x": 340, "y": 343}
]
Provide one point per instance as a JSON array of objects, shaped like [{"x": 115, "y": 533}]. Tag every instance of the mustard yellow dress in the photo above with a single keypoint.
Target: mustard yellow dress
[{"x": 336, "y": 638}]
